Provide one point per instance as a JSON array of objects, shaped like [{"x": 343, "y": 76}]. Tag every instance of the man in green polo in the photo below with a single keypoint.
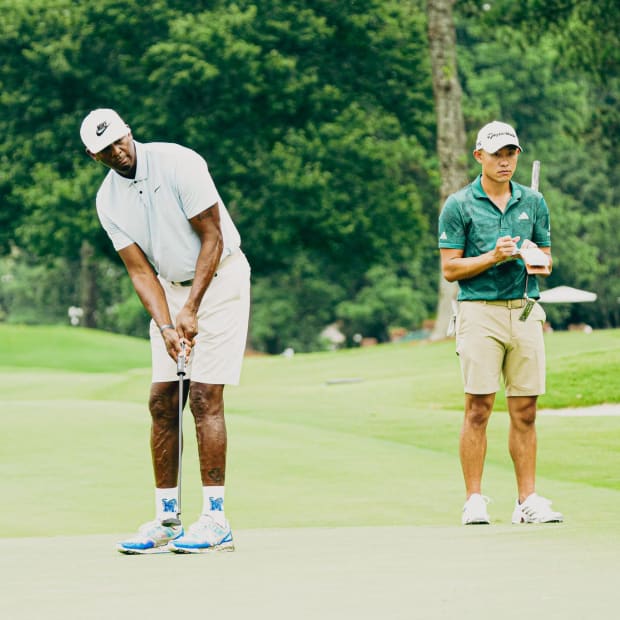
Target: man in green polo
[{"x": 485, "y": 231}]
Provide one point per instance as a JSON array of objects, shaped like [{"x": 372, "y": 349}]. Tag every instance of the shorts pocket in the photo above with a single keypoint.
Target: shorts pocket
[{"x": 538, "y": 313}]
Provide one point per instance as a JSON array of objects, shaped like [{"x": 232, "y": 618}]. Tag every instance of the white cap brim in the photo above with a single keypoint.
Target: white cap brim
[{"x": 492, "y": 146}]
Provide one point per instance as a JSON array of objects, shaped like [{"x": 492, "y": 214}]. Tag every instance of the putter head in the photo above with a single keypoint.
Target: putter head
[{"x": 171, "y": 521}]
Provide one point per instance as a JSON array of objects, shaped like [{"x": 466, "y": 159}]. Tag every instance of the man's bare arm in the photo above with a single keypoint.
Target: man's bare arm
[
  {"x": 145, "y": 283},
  {"x": 455, "y": 267}
]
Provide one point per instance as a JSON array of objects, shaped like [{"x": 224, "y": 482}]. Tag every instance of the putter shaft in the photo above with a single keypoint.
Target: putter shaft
[{"x": 181, "y": 376}]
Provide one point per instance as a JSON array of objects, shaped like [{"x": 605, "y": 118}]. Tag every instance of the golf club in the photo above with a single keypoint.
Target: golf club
[
  {"x": 181, "y": 374},
  {"x": 535, "y": 174}
]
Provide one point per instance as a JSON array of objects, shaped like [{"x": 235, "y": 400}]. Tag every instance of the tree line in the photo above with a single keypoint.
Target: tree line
[{"x": 317, "y": 119}]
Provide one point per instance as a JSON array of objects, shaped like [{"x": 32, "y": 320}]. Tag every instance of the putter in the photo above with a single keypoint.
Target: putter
[{"x": 181, "y": 374}]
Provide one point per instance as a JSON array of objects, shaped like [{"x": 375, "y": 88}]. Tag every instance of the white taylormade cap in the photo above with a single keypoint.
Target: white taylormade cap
[
  {"x": 494, "y": 136},
  {"x": 102, "y": 127}
]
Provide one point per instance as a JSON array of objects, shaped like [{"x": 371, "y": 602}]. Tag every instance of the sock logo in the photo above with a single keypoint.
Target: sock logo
[
  {"x": 169, "y": 505},
  {"x": 217, "y": 503}
]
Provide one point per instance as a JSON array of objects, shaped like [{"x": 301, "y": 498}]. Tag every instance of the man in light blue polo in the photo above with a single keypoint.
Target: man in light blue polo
[
  {"x": 167, "y": 221},
  {"x": 486, "y": 231}
]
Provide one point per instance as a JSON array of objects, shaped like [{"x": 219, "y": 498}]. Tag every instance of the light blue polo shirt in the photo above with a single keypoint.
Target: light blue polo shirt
[
  {"x": 172, "y": 185},
  {"x": 469, "y": 221}
]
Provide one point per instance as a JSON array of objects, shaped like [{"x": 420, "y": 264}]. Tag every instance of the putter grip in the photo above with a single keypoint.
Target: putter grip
[
  {"x": 535, "y": 174},
  {"x": 181, "y": 364}
]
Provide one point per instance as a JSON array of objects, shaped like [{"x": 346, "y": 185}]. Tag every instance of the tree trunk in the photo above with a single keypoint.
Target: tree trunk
[
  {"x": 451, "y": 144},
  {"x": 88, "y": 284}
]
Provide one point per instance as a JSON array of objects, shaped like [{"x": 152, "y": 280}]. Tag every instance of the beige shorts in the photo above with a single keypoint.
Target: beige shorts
[
  {"x": 491, "y": 341},
  {"x": 217, "y": 355}
]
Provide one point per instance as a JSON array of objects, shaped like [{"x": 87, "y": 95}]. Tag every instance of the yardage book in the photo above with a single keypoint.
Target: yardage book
[{"x": 536, "y": 261}]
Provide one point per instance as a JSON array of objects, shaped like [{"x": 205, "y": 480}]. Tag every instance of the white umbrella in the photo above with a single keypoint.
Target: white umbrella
[{"x": 566, "y": 295}]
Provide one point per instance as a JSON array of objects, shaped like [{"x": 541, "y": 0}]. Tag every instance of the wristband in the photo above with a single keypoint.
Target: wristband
[{"x": 167, "y": 326}]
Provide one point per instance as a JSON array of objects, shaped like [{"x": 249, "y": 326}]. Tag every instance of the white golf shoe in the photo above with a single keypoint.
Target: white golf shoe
[
  {"x": 536, "y": 509},
  {"x": 475, "y": 510}
]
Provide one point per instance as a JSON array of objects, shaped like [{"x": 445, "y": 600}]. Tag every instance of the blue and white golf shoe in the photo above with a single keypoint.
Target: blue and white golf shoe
[
  {"x": 152, "y": 537},
  {"x": 204, "y": 536}
]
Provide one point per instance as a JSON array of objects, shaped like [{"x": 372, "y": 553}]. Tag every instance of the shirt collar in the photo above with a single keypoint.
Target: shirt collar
[
  {"x": 515, "y": 191},
  {"x": 142, "y": 168}
]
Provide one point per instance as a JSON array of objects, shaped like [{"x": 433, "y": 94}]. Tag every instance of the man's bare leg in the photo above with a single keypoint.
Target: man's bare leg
[
  {"x": 207, "y": 405},
  {"x": 164, "y": 408},
  {"x": 522, "y": 442},
  {"x": 473, "y": 440}
]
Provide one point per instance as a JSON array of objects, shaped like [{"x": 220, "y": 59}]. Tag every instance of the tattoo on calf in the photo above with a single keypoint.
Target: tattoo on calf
[{"x": 216, "y": 475}]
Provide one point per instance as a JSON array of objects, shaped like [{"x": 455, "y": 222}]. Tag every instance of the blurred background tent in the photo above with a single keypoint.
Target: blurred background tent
[{"x": 566, "y": 294}]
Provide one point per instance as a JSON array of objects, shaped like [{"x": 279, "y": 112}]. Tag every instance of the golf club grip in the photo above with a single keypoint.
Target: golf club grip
[
  {"x": 535, "y": 174},
  {"x": 181, "y": 363}
]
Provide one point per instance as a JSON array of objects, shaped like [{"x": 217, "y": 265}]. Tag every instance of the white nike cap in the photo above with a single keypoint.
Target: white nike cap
[
  {"x": 494, "y": 136},
  {"x": 101, "y": 127}
]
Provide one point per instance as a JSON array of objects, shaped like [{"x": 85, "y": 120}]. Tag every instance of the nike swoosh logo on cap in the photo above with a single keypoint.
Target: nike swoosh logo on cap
[{"x": 101, "y": 128}]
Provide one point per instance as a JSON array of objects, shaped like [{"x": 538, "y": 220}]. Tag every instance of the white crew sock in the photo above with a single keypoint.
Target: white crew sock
[
  {"x": 166, "y": 503},
  {"x": 213, "y": 503}
]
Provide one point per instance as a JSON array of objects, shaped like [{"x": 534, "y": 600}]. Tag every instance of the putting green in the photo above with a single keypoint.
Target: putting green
[{"x": 476, "y": 572}]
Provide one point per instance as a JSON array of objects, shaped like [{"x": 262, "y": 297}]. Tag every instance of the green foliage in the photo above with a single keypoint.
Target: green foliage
[
  {"x": 32, "y": 292},
  {"x": 385, "y": 301},
  {"x": 346, "y": 191},
  {"x": 317, "y": 121},
  {"x": 59, "y": 215},
  {"x": 586, "y": 32},
  {"x": 303, "y": 133},
  {"x": 314, "y": 121},
  {"x": 127, "y": 315},
  {"x": 292, "y": 307},
  {"x": 600, "y": 238}
]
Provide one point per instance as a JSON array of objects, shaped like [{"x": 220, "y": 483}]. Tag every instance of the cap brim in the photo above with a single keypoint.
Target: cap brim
[
  {"x": 97, "y": 145},
  {"x": 496, "y": 145}
]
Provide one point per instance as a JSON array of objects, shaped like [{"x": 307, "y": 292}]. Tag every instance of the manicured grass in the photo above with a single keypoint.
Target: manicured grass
[
  {"x": 582, "y": 369},
  {"x": 307, "y": 445},
  {"x": 72, "y": 349}
]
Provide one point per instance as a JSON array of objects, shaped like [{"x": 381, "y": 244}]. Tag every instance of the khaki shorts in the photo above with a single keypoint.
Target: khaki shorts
[
  {"x": 492, "y": 341},
  {"x": 217, "y": 355}
]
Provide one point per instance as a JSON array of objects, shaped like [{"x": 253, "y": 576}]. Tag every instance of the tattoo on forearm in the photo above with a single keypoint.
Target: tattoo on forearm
[{"x": 216, "y": 475}]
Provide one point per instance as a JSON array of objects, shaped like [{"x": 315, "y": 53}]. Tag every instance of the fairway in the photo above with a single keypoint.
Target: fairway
[{"x": 344, "y": 488}]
